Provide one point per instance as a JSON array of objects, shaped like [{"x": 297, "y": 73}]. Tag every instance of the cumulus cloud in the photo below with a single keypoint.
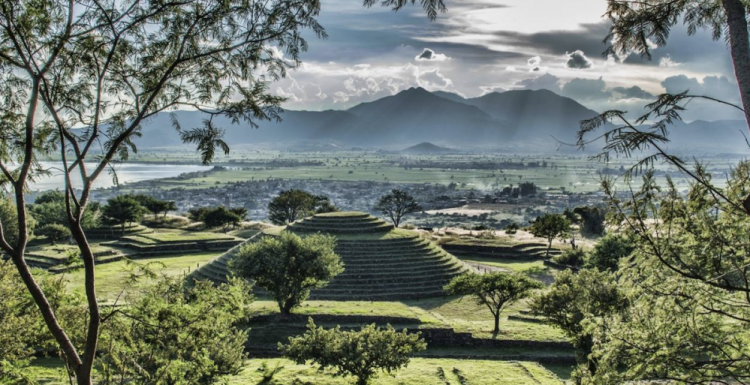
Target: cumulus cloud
[
  {"x": 534, "y": 61},
  {"x": 511, "y": 69},
  {"x": 433, "y": 80},
  {"x": 430, "y": 55},
  {"x": 583, "y": 89},
  {"x": 667, "y": 61},
  {"x": 577, "y": 59},
  {"x": 633, "y": 92},
  {"x": 719, "y": 87}
]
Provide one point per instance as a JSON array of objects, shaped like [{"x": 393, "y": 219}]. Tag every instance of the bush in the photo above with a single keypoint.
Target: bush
[
  {"x": 354, "y": 353},
  {"x": 54, "y": 232},
  {"x": 574, "y": 257}
]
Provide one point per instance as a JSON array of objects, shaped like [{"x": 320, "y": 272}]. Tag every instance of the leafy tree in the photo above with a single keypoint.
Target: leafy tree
[
  {"x": 87, "y": 76},
  {"x": 576, "y": 298},
  {"x": 289, "y": 266},
  {"x": 396, "y": 205},
  {"x": 512, "y": 228},
  {"x": 574, "y": 257},
  {"x": 172, "y": 333},
  {"x": 291, "y": 205},
  {"x": 156, "y": 206},
  {"x": 240, "y": 212},
  {"x": 494, "y": 290},
  {"x": 359, "y": 353},
  {"x": 9, "y": 220},
  {"x": 527, "y": 188},
  {"x": 592, "y": 220},
  {"x": 221, "y": 217},
  {"x": 54, "y": 232},
  {"x": 123, "y": 209},
  {"x": 608, "y": 252},
  {"x": 637, "y": 25},
  {"x": 323, "y": 205},
  {"x": 198, "y": 213},
  {"x": 549, "y": 227},
  {"x": 50, "y": 196},
  {"x": 49, "y": 209}
]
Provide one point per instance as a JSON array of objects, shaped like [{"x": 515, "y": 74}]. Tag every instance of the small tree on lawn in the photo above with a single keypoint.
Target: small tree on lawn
[
  {"x": 494, "y": 290},
  {"x": 289, "y": 266},
  {"x": 354, "y": 353},
  {"x": 396, "y": 205},
  {"x": 221, "y": 217},
  {"x": 54, "y": 232},
  {"x": 123, "y": 209},
  {"x": 156, "y": 206},
  {"x": 549, "y": 227},
  {"x": 290, "y": 205}
]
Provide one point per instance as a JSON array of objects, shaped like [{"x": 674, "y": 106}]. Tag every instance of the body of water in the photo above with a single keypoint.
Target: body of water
[{"x": 126, "y": 173}]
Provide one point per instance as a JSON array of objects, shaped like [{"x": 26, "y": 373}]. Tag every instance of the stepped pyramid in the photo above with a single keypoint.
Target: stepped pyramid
[{"x": 380, "y": 263}]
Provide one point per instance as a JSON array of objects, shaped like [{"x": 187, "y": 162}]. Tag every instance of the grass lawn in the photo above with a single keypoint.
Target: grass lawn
[
  {"x": 516, "y": 265},
  {"x": 111, "y": 277},
  {"x": 176, "y": 236},
  {"x": 463, "y": 314},
  {"x": 359, "y": 308},
  {"x": 60, "y": 251},
  {"x": 49, "y": 371},
  {"x": 393, "y": 234},
  {"x": 420, "y": 371}
]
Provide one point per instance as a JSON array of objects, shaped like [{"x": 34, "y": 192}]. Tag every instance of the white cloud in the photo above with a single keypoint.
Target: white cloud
[
  {"x": 577, "y": 59},
  {"x": 667, "y": 61}
]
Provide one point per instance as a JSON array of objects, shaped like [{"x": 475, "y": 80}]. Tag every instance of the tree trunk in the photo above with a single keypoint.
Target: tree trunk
[
  {"x": 549, "y": 247},
  {"x": 286, "y": 307},
  {"x": 497, "y": 323},
  {"x": 740, "y": 49},
  {"x": 83, "y": 374}
]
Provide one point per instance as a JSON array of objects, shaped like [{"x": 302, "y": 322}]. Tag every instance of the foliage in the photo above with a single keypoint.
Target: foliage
[
  {"x": 575, "y": 299},
  {"x": 357, "y": 353},
  {"x": 21, "y": 326},
  {"x": 221, "y": 217},
  {"x": 549, "y": 227},
  {"x": 323, "y": 205},
  {"x": 396, "y": 205},
  {"x": 54, "y": 232},
  {"x": 512, "y": 228},
  {"x": 289, "y": 266},
  {"x": 155, "y": 206},
  {"x": 49, "y": 209},
  {"x": 573, "y": 257},
  {"x": 494, "y": 290},
  {"x": 687, "y": 282},
  {"x": 171, "y": 333},
  {"x": 291, "y": 205},
  {"x": 9, "y": 220},
  {"x": 527, "y": 188},
  {"x": 123, "y": 209},
  {"x": 592, "y": 220},
  {"x": 608, "y": 252}
]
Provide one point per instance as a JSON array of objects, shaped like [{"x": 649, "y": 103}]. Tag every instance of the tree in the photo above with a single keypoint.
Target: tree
[
  {"x": 81, "y": 78},
  {"x": 549, "y": 227},
  {"x": 396, "y": 205},
  {"x": 357, "y": 353},
  {"x": 202, "y": 326},
  {"x": 9, "y": 220},
  {"x": 290, "y": 205},
  {"x": 637, "y": 26},
  {"x": 123, "y": 209},
  {"x": 494, "y": 290},
  {"x": 221, "y": 217},
  {"x": 527, "y": 188},
  {"x": 54, "y": 232},
  {"x": 592, "y": 220},
  {"x": 49, "y": 209},
  {"x": 573, "y": 257},
  {"x": 323, "y": 205},
  {"x": 198, "y": 213},
  {"x": 289, "y": 266},
  {"x": 576, "y": 298},
  {"x": 155, "y": 206},
  {"x": 608, "y": 252},
  {"x": 240, "y": 212},
  {"x": 512, "y": 228}
]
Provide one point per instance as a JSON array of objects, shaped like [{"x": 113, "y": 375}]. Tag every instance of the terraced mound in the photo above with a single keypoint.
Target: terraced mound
[
  {"x": 55, "y": 257},
  {"x": 380, "y": 262},
  {"x": 176, "y": 241},
  {"x": 523, "y": 251}
]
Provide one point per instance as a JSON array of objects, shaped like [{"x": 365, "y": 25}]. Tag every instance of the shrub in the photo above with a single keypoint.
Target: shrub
[
  {"x": 574, "y": 257},
  {"x": 354, "y": 353}
]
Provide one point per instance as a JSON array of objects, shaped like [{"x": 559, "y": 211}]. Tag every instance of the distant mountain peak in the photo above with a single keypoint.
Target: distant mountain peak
[{"x": 426, "y": 148}]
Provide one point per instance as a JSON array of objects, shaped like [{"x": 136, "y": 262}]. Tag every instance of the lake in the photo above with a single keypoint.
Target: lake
[{"x": 126, "y": 173}]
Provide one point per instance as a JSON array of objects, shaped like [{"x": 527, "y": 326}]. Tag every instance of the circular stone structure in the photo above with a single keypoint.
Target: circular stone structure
[{"x": 381, "y": 263}]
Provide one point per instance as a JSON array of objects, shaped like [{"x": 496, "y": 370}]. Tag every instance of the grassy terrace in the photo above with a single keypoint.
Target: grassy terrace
[
  {"x": 172, "y": 236},
  {"x": 111, "y": 278},
  {"x": 49, "y": 371}
]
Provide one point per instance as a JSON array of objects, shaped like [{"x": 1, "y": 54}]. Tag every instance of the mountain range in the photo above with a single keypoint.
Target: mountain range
[{"x": 529, "y": 118}]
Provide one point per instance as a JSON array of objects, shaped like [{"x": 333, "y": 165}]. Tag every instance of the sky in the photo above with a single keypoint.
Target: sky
[{"x": 482, "y": 46}]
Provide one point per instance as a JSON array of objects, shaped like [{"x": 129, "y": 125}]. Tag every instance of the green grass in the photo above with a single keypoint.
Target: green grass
[
  {"x": 464, "y": 315},
  {"x": 393, "y": 234},
  {"x": 111, "y": 277},
  {"x": 60, "y": 251},
  {"x": 516, "y": 265},
  {"x": 176, "y": 236},
  {"x": 359, "y": 308},
  {"x": 419, "y": 372}
]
